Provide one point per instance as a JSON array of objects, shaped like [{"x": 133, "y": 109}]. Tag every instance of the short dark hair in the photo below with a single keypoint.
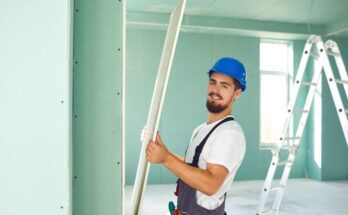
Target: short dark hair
[{"x": 237, "y": 85}]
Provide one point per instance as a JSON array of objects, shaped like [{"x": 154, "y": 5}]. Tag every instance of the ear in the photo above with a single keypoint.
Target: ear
[{"x": 237, "y": 93}]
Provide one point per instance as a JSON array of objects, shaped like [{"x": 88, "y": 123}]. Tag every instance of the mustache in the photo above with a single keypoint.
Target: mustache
[{"x": 215, "y": 94}]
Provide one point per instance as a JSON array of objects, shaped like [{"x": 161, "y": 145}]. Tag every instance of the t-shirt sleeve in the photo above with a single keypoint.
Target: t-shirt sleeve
[{"x": 227, "y": 149}]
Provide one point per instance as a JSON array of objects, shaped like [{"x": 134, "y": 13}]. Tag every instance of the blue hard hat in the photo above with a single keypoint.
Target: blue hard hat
[{"x": 232, "y": 68}]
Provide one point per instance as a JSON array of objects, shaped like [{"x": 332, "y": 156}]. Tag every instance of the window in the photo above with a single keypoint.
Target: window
[{"x": 275, "y": 69}]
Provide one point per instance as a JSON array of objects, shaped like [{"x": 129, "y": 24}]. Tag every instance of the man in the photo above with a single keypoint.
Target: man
[{"x": 216, "y": 149}]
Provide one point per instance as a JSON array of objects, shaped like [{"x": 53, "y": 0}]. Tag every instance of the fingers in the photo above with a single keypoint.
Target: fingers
[
  {"x": 150, "y": 148},
  {"x": 149, "y": 151},
  {"x": 151, "y": 145},
  {"x": 159, "y": 139}
]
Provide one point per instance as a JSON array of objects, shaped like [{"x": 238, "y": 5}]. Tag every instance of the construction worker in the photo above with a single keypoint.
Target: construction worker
[{"x": 216, "y": 149}]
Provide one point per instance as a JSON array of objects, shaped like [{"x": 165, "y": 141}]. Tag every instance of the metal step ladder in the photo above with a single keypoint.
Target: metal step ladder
[{"x": 291, "y": 143}]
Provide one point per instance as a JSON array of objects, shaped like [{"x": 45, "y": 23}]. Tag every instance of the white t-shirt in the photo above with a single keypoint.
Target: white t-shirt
[{"x": 226, "y": 147}]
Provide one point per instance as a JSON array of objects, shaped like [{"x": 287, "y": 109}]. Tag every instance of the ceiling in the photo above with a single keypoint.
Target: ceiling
[{"x": 333, "y": 14}]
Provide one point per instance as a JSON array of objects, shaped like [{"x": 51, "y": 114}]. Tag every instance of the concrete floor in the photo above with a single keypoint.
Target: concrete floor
[{"x": 302, "y": 197}]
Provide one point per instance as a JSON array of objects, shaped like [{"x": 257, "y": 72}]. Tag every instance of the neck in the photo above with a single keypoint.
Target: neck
[{"x": 213, "y": 117}]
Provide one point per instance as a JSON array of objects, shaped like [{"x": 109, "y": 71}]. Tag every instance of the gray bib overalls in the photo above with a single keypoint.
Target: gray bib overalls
[{"x": 187, "y": 202}]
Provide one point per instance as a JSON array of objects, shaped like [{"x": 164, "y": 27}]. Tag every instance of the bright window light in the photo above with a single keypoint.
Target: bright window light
[
  {"x": 274, "y": 57},
  {"x": 275, "y": 68}
]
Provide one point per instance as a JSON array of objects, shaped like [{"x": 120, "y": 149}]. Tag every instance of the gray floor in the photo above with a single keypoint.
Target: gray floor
[{"x": 302, "y": 197}]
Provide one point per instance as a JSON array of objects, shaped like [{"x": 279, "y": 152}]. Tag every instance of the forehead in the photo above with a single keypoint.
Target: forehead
[{"x": 221, "y": 77}]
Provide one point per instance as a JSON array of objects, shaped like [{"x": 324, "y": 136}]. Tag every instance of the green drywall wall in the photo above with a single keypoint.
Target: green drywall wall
[
  {"x": 184, "y": 105},
  {"x": 97, "y": 109},
  {"x": 334, "y": 146},
  {"x": 35, "y": 107}
]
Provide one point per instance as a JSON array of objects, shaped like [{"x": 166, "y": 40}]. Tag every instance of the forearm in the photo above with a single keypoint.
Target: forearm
[
  {"x": 201, "y": 180},
  {"x": 206, "y": 181},
  {"x": 180, "y": 158}
]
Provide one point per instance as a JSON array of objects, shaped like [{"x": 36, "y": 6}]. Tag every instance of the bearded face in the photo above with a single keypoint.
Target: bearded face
[{"x": 221, "y": 93}]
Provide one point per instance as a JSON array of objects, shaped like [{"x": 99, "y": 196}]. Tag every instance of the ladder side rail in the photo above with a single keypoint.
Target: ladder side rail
[
  {"x": 334, "y": 90},
  {"x": 330, "y": 44},
  {"x": 307, "y": 105},
  {"x": 295, "y": 90},
  {"x": 299, "y": 133},
  {"x": 268, "y": 183},
  {"x": 280, "y": 192}
]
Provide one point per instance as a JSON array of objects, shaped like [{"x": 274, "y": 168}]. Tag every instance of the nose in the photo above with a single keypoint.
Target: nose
[{"x": 216, "y": 88}]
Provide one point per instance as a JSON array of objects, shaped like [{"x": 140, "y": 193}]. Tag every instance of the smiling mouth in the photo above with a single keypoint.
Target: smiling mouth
[{"x": 215, "y": 96}]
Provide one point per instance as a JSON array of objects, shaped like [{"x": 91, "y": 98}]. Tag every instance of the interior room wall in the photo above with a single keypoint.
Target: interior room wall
[{"x": 35, "y": 110}]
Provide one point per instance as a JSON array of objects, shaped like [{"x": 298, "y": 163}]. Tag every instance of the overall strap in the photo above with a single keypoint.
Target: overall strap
[{"x": 199, "y": 148}]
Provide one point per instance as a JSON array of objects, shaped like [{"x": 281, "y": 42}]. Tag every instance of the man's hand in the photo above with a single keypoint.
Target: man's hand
[{"x": 156, "y": 152}]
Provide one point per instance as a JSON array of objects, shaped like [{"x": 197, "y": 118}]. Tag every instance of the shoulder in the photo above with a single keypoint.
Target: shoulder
[
  {"x": 229, "y": 133},
  {"x": 230, "y": 128},
  {"x": 198, "y": 127}
]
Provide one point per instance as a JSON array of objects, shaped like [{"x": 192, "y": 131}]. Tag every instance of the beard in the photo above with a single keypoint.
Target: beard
[{"x": 215, "y": 108}]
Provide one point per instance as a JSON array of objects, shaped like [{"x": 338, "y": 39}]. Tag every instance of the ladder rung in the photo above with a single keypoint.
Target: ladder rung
[
  {"x": 338, "y": 81},
  {"x": 301, "y": 111},
  {"x": 281, "y": 163},
  {"x": 276, "y": 188},
  {"x": 290, "y": 147},
  {"x": 308, "y": 83},
  {"x": 292, "y": 138}
]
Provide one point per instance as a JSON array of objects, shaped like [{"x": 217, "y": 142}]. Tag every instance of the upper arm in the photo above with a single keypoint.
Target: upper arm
[{"x": 218, "y": 175}]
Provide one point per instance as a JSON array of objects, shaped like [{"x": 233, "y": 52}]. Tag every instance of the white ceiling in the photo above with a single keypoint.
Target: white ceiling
[{"x": 320, "y": 12}]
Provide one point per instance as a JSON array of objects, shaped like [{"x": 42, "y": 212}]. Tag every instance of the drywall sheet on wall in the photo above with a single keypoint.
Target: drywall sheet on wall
[
  {"x": 35, "y": 107},
  {"x": 97, "y": 108},
  {"x": 157, "y": 102}
]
